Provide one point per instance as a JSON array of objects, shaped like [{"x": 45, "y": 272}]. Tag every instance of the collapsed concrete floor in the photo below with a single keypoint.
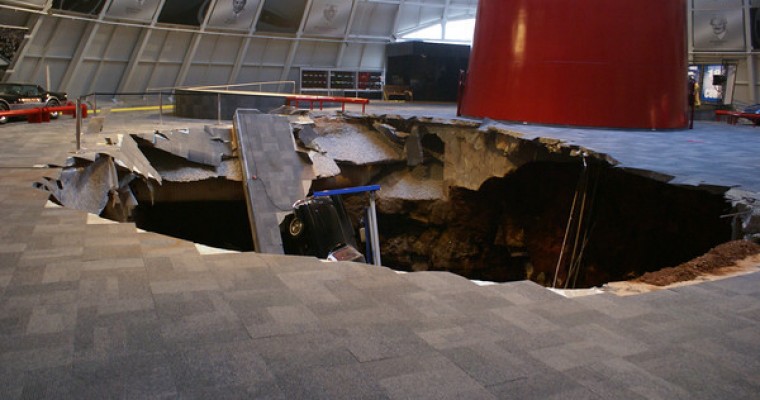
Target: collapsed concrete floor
[
  {"x": 92, "y": 309},
  {"x": 461, "y": 196}
]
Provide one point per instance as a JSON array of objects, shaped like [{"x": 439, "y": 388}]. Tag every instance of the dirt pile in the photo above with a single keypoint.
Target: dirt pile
[{"x": 718, "y": 258}]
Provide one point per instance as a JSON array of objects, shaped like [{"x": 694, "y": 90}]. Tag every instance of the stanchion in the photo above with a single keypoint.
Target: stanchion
[{"x": 79, "y": 124}]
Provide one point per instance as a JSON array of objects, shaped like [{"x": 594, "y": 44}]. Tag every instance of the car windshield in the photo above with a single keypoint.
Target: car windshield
[{"x": 10, "y": 89}]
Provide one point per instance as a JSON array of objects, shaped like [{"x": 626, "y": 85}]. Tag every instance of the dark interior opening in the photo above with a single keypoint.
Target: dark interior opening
[
  {"x": 513, "y": 227},
  {"x": 220, "y": 224}
]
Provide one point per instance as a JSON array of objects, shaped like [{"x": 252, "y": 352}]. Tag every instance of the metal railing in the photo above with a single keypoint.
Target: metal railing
[{"x": 228, "y": 87}]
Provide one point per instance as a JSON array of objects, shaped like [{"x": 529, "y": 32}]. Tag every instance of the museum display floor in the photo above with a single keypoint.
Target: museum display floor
[{"x": 94, "y": 309}]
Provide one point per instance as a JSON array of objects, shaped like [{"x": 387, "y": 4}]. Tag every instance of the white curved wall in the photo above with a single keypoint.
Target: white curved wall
[{"x": 98, "y": 53}]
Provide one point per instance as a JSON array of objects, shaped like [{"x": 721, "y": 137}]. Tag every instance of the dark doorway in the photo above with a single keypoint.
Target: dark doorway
[{"x": 430, "y": 70}]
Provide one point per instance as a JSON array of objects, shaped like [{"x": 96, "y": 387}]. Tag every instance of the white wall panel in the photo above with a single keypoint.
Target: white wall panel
[
  {"x": 374, "y": 19},
  {"x": 431, "y": 2},
  {"x": 154, "y": 45},
  {"x": 412, "y": 16},
  {"x": 216, "y": 75},
  {"x": 227, "y": 48},
  {"x": 317, "y": 54},
  {"x": 352, "y": 55},
  {"x": 115, "y": 54},
  {"x": 176, "y": 47},
  {"x": 83, "y": 78},
  {"x": 256, "y": 50},
  {"x": 373, "y": 56},
  {"x": 461, "y": 13},
  {"x": 64, "y": 41},
  {"x": 164, "y": 75},
  {"x": 122, "y": 43},
  {"x": 48, "y": 26},
  {"x": 260, "y": 74},
  {"x": 34, "y": 70},
  {"x": 141, "y": 77},
  {"x": 205, "y": 49},
  {"x": 276, "y": 52},
  {"x": 208, "y": 74},
  {"x": 101, "y": 42},
  {"x": 107, "y": 79}
]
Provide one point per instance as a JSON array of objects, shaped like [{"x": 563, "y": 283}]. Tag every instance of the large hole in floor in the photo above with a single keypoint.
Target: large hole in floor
[
  {"x": 221, "y": 224},
  {"x": 559, "y": 215},
  {"x": 512, "y": 228}
]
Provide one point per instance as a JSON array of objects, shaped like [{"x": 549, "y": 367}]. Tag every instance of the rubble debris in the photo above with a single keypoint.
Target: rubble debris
[
  {"x": 306, "y": 136},
  {"x": 713, "y": 262},
  {"x": 355, "y": 144},
  {"x": 85, "y": 186},
  {"x": 324, "y": 167},
  {"x": 192, "y": 155},
  {"x": 195, "y": 146},
  {"x": 456, "y": 195},
  {"x": 98, "y": 181},
  {"x": 219, "y": 133},
  {"x": 391, "y": 133},
  {"x": 123, "y": 149},
  {"x": 408, "y": 185},
  {"x": 177, "y": 169},
  {"x": 94, "y": 125},
  {"x": 414, "y": 149}
]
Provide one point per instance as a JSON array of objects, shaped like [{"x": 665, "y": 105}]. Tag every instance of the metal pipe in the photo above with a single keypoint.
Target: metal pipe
[
  {"x": 373, "y": 226},
  {"x": 219, "y": 108},
  {"x": 79, "y": 124}
]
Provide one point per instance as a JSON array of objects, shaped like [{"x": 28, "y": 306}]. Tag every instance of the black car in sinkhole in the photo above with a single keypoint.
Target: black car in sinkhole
[{"x": 18, "y": 96}]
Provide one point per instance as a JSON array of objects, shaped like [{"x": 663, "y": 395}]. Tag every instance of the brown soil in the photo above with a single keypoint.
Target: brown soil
[{"x": 717, "y": 259}]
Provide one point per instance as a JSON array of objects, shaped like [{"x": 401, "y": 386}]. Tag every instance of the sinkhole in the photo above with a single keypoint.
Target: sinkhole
[
  {"x": 557, "y": 224},
  {"x": 455, "y": 197}
]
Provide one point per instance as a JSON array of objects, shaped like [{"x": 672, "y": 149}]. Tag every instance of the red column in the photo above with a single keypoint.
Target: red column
[{"x": 600, "y": 63}]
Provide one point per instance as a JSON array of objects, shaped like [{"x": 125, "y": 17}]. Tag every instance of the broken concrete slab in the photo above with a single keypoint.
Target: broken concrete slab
[
  {"x": 173, "y": 168},
  {"x": 391, "y": 133},
  {"x": 123, "y": 149},
  {"x": 192, "y": 144},
  {"x": 272, "y": 174},
  {"x": 405, "y": 185},
  {"x": 85, "y": 188},
  {"x": 414, "y": 150},
  {"x": 307, "y": 135},
  {"x": 95, "y": 125},
  {"x": 221, "y": 133},
  {"x": 355, "y": 144},
  {"x": 324, "y": 167}
]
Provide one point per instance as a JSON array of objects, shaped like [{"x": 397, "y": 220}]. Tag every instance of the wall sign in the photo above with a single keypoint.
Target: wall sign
[
  {"x": 328, "y": 17},
  {"x": 234, "y": 14},
  {"x": 719, "y": 30},
  {"x": 138, "y": 10}
]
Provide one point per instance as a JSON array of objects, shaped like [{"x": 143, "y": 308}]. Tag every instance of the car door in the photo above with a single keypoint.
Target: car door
[{"x": 32, "y": 96}]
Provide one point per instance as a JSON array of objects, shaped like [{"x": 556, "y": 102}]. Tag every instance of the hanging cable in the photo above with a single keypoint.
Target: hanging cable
[
  {"x": 585, "y": 226},
  {"x": 590, "y": 230},
  {"x": 567, "y": 230}
]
